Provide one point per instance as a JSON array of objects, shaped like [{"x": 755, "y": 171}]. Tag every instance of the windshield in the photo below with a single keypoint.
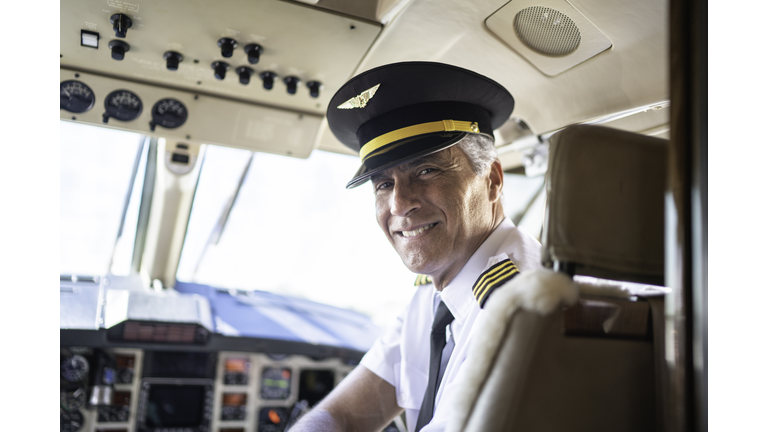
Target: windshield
[
  {"x": 97, "y": 166},
  {"x": 295, "y": 230}
]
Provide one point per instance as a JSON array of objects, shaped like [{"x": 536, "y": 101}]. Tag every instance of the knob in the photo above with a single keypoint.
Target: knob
[
  {"x": 220, "y": 69},
  {"x": 291, "y": 82},
  {"x": 314, "y": 88},
  {"x": 172, "y": 59},
  {"x": 118, "y": 48},
  {"x": 254, "y": 52},
  {"x": 245, "y": 74},
  {"x": 268, "y": 79},
  {"x": 227, "y": 45},
  {"x": 120, "y": 24}
]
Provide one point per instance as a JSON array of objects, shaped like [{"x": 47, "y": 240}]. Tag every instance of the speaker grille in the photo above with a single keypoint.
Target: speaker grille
[{"x": 547, "y": 31}]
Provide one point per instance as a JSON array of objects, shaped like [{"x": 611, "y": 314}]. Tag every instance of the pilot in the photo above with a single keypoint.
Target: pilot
[{"x": 424, "y": 133}]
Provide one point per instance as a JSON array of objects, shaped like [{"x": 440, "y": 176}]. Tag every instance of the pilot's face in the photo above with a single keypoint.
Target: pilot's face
[{"x": 435, "y": 211}]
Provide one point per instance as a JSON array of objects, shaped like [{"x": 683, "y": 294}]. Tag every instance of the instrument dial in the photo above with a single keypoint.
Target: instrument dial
[
  {"x": 169, "y": 113},
  {"x": 72, "y": 398},
  {"x": 275, "y": 383},
  {"x": 76, "y": 97},
  {"x": 71, "y": 421},
  {"x": 75, "y": 368},
  {"x": 122, "y": 105}
]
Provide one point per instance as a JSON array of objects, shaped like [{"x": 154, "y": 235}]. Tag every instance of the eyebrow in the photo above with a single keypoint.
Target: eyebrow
[{"x": 408, "y": 165}]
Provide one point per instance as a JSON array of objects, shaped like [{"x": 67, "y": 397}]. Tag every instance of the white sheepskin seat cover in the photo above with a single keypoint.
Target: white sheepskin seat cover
[{"x": 541, "y": 290}]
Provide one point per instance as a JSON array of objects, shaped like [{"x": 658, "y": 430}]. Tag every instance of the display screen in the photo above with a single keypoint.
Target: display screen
[
  {"x": 236, "y": 371},
  {"x": 175, "y": 405},
  {"x": 179, "y": 364},
  {"x": 233, "y": 406},
  {"x": 314, "y": 385},
  {"x": 275, "y": 383},
  {"x": 237, "y": 364}
]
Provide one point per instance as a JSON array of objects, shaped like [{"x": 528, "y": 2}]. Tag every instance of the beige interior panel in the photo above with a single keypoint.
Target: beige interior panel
[
  {"x": 591, "y": 40},
  {"x": 374, "y": 10},
  {"x": 211, "y": 120},
  {"x": 633, "y": 73},
  {"x": 298, "y": 40}
]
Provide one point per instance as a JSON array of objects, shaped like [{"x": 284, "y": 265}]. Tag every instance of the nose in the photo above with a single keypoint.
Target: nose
[{"x": 403, "y": 200}]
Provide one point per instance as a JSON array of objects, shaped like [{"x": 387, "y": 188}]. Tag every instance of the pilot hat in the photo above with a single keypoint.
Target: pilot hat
[{"x": 399, "y": 112}]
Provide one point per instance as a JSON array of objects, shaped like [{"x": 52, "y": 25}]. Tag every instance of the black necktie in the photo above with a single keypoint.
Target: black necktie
[{"x": 443, "y": 317}]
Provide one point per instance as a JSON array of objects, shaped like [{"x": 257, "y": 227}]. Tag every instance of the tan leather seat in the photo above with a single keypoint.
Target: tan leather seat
[{"x": 559, "y": 354}]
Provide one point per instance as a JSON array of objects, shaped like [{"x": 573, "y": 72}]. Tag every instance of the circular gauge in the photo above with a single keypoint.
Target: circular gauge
[
  {"x": 169, "y": 113},
  {"x": 122, "y": 105},
  {"x": 72, "y": 397},
  {"x": 71, "y": 421},
  {"x": 76, "y": 97},
  {"x": 74, "y": 368}
]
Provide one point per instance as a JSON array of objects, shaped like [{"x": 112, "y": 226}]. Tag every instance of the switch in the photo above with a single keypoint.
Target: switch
[
  {"x": 268, "y": 79},
  {"x": 172, "y": 60},
  {"x": 245, "y": 74},
  {"x": 89, "y": 39},
  {"x": 120, "y": 24},
  {"x": 119, "y": 48},
  {"x": 254, "y": 52},
  {"x": 291, "y": 82},
  {"x": 219, "y": 69},
  {"x": 228, "y": 46},
  {"x": 314, "y": 88}
]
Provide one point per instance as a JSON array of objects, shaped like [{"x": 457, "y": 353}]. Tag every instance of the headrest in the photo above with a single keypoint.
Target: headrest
[{"x": 605, "y": 204}]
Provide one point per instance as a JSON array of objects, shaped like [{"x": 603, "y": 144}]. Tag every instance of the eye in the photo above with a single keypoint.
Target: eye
[
  {"x": 383, "y": 185},
  {"x": 427, "y": 171}
]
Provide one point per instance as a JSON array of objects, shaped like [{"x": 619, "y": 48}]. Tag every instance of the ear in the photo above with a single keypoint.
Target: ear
[{"x": 495, "y": 181}]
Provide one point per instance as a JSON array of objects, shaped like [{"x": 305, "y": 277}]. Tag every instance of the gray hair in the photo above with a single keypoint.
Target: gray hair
[{"x": 480, "y": 151}]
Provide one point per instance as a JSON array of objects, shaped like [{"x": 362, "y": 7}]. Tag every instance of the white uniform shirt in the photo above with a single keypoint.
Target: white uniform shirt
[{"x": 401, "y": 355}]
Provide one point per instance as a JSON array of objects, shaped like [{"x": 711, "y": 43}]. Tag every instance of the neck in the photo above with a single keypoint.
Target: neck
[{"x": 440, "y": 281}]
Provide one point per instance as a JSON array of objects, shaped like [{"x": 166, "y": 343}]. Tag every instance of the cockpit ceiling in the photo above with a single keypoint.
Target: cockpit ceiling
[
  {"x": 631, "y": 74},
  {"x": 330, "y": 41}
]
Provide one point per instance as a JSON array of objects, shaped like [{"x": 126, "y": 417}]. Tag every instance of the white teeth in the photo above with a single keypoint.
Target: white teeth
[{"x": 418, "y": 231}]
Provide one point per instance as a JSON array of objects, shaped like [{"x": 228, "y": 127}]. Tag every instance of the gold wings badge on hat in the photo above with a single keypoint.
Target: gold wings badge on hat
[{"x": 361, "y": 100}]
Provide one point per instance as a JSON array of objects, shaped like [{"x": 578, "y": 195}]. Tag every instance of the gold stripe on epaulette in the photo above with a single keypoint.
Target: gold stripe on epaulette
[
  {"x": 422, "y": 280},
  {"x": 492, "y": 278}
]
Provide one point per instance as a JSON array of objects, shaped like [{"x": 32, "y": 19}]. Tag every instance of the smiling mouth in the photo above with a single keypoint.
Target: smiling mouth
[{"x": 417, "y": 231}]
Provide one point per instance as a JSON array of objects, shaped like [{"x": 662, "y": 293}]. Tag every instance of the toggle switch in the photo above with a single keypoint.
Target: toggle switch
[
  {"x": 119, "y": 48},
  {"x": 268, "y": 79},
  {"x": 172, "y": 60},
  {"x": 244, "y": 72},
  {"x": 314, "y": 88},
  {"x": 219, "y": 69},
  {"x": 291, "y": 82},
  {"x": 227, "y": 46},
  {"x": 120, "y": 24},
  {"x": 254, "y": 52},
  {"x": 89, "y": 39}
]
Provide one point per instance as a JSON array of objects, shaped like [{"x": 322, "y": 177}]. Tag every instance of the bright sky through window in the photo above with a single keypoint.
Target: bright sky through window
[
  {"x": 95, "y": 174},
  {"x": 294, "y": 230}
]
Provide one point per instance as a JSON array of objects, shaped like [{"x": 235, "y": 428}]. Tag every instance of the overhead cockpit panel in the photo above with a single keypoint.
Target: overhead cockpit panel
[{"x": 274, "y": 54}]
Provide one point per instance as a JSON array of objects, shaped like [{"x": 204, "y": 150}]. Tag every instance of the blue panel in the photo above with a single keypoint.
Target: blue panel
[{"x": 272, "y": 316}]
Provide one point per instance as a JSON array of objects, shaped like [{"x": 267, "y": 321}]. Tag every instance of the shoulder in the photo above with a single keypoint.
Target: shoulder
[{"x": 522, "y": 248}]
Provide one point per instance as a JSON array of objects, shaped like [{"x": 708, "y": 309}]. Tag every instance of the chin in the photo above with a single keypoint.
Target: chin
[{"x": 419, "y": 263}]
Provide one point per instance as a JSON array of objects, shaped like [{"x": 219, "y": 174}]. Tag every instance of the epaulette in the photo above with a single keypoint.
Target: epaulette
[
  {"x": 422, "y": 280},
  {"x": 493, "y": 278}
]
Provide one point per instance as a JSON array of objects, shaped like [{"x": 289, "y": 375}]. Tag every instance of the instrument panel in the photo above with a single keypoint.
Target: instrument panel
[{"x": 130, "y": 389}]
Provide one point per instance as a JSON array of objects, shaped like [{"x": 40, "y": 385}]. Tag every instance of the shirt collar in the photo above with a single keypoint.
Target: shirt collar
[{"x": 457, "y": 295}]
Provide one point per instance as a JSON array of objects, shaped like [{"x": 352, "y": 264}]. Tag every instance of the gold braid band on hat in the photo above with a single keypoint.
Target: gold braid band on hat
[{"x": 412, "y": 131}]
